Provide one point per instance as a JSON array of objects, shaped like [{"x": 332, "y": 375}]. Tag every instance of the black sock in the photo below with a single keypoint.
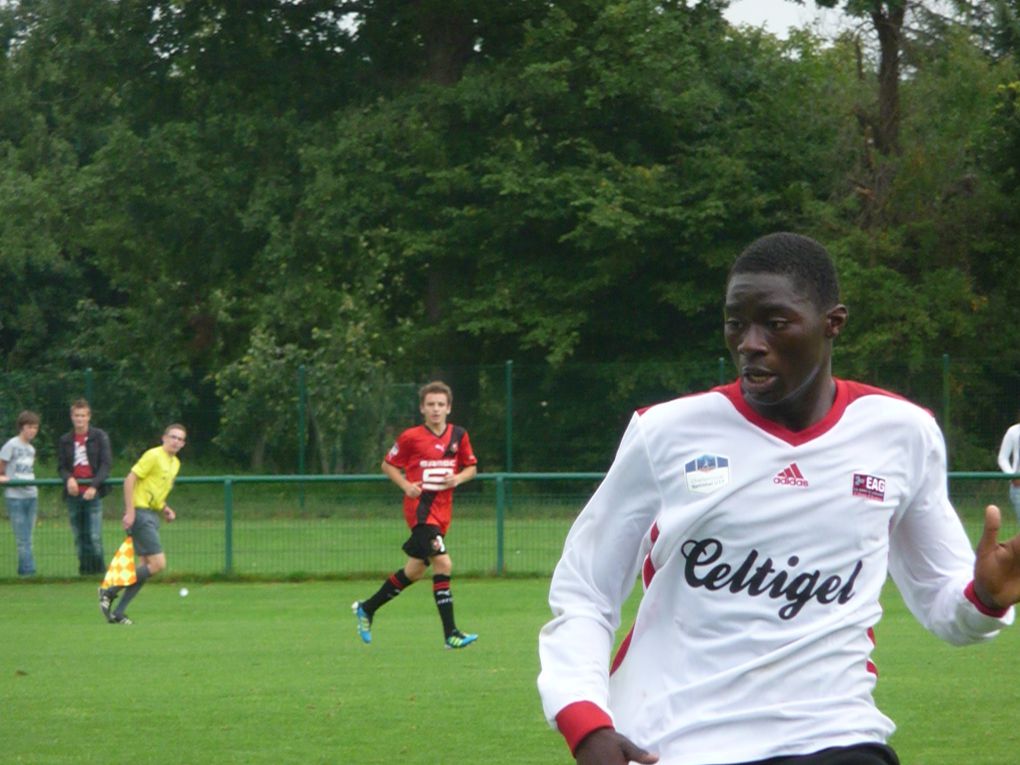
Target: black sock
[
  {"x": 141, "y": 575},
  {"x": 393, "y": 586},
  {"x": 444, "y": 602}
]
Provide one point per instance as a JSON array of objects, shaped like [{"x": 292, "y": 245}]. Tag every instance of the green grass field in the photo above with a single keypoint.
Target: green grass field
[
  {"x": 281, "y": 531},
  {"x": 274, "y": 673}
]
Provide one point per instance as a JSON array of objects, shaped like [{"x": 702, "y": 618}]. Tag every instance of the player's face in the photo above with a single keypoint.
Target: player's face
[
  {"x": 29, "y": 431},
  {"x": 435, "y": 408},
  {"x": 80, "y": 419},
  {"x": 173, "y": 440},
  {"x": 781, "y": 344}
]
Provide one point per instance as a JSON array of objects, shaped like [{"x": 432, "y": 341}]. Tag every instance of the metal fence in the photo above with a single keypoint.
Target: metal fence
[
  {"x": 345, "y": 526},
  {"x": 521, "y": 416}
]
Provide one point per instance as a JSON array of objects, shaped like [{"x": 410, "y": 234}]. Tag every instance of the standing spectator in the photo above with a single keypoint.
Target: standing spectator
[
  {"x": 763, "y": 519},
  {"x": 17, "y": 463},
  {"x": 84, "y": 462},
  {"x": 145, "y": 491},
  {"x": 427, "y": 462},
  {"x": 1009, "y": 462}
]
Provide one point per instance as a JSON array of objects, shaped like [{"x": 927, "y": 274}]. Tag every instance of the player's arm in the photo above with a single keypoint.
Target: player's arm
[
  {"x": 997, "y": 568},
  {"x": 933, "y": 563},
  {"x": 465, "y": 459},
  {"x": 593, "y": 578},
  {"x": 129, "y": 500},
  {"x": 454, "y": 480},
  {"x": 396, "y": 475},
  {"x": 3, "y": 472}
]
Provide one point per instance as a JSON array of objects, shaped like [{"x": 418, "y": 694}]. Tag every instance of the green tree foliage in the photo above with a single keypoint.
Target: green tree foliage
[
  {"x": 200, "y": 198},
  {"x": 580, "y": 199},
  {"x": 923, "y": 239}
]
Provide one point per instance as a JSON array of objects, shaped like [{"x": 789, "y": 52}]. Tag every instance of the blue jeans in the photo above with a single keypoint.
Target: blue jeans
[
  {"x": 86, "y": 516},
  {"x": 22, "y": 513},
  {"x": 1014, "y": 497}
]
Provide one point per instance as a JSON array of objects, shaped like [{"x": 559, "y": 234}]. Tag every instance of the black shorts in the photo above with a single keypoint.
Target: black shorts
[
  {"x": 861, "y": 754},
  {"x": 425, "y": 542}
]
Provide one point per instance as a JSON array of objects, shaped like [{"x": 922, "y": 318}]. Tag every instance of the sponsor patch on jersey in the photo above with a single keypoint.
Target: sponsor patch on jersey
[
  {"x": 869, "y": 486},
  {"x": 790, "y": 476},
  {"x": 707, "y": 473}
]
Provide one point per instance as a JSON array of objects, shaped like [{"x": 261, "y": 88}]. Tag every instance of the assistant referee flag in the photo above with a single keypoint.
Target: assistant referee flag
[{"x": 121, "y": 572}]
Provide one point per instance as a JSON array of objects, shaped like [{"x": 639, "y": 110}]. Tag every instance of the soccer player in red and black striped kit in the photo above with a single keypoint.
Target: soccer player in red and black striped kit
[{"x": 427, "y": 462}]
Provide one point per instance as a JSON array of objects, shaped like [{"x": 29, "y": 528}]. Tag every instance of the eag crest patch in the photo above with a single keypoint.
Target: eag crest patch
[
  {"x": 869, "y": 486},
  {"x": 707, "y": 473}
]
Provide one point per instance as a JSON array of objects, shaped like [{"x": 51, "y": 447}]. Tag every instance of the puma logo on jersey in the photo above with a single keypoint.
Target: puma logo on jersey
[{"x": 790, "y": 476}]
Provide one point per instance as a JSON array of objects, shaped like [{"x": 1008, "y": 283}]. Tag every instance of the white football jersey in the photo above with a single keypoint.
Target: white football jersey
[{"x": 762, "y": 553}]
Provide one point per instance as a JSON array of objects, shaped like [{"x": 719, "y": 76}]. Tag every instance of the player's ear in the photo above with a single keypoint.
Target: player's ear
[{"x": 835, "y": 319}]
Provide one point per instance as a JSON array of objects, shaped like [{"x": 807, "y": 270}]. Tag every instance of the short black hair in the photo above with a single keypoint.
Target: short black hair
[{"x": 799, "y": 257}]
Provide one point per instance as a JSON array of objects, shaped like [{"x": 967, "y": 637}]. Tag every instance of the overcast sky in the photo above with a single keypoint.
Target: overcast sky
[{"x": 779, "y": 15}]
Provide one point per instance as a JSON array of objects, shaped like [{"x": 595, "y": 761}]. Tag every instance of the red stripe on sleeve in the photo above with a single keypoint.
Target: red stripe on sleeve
[
  {"x": 971, "y": 595},
  {"x": 577, "y": 720}
]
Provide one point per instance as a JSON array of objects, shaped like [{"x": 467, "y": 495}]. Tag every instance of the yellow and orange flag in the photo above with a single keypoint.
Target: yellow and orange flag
[{"x": 121, "y": 572}]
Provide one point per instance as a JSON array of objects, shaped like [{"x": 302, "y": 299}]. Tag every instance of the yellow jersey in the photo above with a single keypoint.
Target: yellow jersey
[{"x": 156, "y": 471}]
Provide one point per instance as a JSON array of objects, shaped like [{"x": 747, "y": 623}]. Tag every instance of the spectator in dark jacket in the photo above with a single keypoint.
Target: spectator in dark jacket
[{"x": 84, "y": 460}]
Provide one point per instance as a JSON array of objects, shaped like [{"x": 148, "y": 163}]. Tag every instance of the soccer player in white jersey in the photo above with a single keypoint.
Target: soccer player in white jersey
[{"x": 762, "y": 518}]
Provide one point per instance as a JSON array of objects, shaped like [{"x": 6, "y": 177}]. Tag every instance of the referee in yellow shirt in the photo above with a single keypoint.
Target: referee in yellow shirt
[{"x": 145, "y": 491}]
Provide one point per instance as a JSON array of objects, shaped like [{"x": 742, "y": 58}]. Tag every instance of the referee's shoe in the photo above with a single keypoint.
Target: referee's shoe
[{"x": 106, "y": 599}]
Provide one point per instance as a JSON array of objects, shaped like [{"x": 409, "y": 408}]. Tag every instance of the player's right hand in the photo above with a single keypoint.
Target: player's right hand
[
  {"x": 413, "y": 490},
  {"x": 607, "y": 747},
  {"x": 997, "y": 564}
]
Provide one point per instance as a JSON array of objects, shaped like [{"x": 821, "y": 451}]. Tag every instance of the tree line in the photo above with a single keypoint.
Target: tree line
[{"x": 201, "y": 199}]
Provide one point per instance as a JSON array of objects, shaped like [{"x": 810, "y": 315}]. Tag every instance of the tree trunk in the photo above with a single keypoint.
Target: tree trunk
[
  {"x": 448, "y": 35},
  {"x": 258, "y": 453},
  {"x": 888, "y": 21}
]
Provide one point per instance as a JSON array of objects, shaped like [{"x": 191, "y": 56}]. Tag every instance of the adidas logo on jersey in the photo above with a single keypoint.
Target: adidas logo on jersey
[{"x": 790, "y": 476}]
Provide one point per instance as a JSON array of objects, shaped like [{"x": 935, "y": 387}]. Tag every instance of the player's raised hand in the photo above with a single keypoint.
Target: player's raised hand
[
  {"x": 607, "y": 747},
  {"x": 997, "y": 569}
]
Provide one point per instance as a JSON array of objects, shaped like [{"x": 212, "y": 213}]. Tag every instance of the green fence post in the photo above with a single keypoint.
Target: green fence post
[
  {"x": 945, "y": 406},
  {"x": 228, "y": 524},
  {"x": 89, "y": 386},
  {"x": 302, "y": 405},
  {"x": 508, "y": 369},
  {"x": 508, "y": 383},
  {"x": 722, "y": 370},
  {"x": 500, "y": 522}
]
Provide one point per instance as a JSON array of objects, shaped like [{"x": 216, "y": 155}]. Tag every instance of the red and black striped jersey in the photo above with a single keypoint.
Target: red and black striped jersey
[{"x": 427, "y": 459}]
